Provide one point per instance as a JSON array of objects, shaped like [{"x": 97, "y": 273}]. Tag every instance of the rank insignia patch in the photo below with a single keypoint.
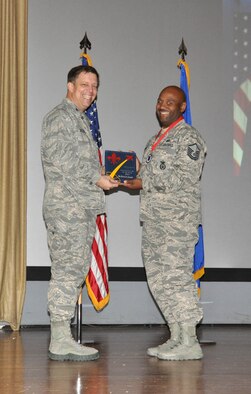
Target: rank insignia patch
[{"x": 193, "y": 151}]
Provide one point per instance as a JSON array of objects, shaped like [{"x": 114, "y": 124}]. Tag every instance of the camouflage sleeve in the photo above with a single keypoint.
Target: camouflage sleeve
[
  {"x": 64, "y": 155},
  {"x": 175, "y": 171},
  {"x": 187, "y": 167}
]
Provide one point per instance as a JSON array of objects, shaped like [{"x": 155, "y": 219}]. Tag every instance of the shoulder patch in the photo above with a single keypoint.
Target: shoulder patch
[{"x": 193, "y": 151}]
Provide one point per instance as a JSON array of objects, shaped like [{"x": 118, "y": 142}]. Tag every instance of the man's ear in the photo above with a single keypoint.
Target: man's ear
[
  {"x": 183, "y": 107},
  {"x": 70, "y": 86}
]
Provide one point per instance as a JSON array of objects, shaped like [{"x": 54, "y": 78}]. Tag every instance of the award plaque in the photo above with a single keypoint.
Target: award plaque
[{"x": 120, "y": 165}]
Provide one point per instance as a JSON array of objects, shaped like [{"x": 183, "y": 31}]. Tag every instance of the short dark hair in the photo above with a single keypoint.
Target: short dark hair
[{"x": 75, "y": 71}]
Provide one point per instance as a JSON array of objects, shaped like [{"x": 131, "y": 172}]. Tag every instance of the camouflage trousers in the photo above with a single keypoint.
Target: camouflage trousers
[
  {"x": 70, "y": 238},
  {"x": 167, "y": 252}
]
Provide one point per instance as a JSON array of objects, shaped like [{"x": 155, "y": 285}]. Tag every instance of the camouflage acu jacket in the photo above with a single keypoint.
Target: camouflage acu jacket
[
  {"x": 171, "y": 176},
  {"x": 70, "y": 160}
]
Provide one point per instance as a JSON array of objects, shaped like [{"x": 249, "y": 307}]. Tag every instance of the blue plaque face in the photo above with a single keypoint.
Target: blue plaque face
[{"x": 120, "y": 165}]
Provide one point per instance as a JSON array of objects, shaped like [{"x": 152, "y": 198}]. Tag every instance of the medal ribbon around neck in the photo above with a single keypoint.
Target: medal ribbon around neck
[{"x": 159, "y": 139}]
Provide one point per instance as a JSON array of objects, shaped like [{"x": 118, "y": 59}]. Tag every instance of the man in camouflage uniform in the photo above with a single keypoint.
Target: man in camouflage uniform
[
  {"x": 74, "y": 196},
  {"x": 170, "y": 177}
]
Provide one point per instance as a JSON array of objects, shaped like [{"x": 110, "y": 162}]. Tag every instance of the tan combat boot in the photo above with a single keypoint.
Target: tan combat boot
[
  {"x": 64, "y": 348},
  {"x": 187, "y": 349},
  {"x": 169, "y": 344}
]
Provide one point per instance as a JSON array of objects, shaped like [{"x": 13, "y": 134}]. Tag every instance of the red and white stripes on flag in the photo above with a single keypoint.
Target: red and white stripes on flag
[
  {"x": 97, "y": 282},
  {"x": 242, "y": 105},
  {"x": 97, "y": 278},
  {"x": 241, "y": 83}
]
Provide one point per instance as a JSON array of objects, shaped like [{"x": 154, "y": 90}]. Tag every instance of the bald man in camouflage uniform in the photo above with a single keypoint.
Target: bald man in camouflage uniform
[
  {"x": 73, "y": 198},
  {"x": 170, "y": 210}
]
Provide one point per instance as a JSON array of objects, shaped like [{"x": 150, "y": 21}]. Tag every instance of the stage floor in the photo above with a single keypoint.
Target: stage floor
[{"x": 124, "y": 366}]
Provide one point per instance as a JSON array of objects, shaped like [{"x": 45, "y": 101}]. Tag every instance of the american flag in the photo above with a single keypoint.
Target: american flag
[
  {"x": 97, "y": 279},
  {"x": 242, "y": 87}
]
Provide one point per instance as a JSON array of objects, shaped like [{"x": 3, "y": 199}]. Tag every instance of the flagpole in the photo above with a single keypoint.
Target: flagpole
[
  {"x": 183, "y": 52},
  {"x": 79, "y": 317},
  {"x": 84, "y": 44}
]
